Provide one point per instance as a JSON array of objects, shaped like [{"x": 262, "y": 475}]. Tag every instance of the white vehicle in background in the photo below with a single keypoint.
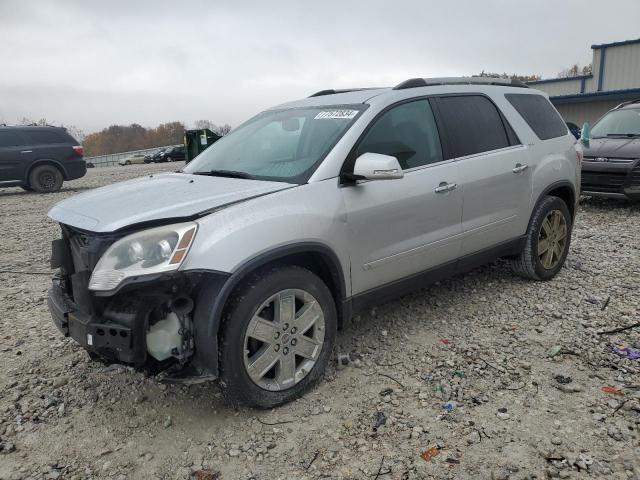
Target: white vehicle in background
[{"x": 133, "y": 159}]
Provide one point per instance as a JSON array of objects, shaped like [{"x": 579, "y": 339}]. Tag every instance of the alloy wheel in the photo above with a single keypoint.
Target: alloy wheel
[
  {"x": 284, "y": 339},
  {"x": 552, "y": 239}
]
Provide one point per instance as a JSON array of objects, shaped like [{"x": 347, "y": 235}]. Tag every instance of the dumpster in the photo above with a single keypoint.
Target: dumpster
[{"x": 197, "y": 141}]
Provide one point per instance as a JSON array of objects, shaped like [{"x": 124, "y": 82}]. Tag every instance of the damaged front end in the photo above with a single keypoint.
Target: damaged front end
[{"x": 146, "y": 321}]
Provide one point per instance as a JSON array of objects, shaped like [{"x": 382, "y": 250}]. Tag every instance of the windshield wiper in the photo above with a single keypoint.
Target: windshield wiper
[
  {"x": 225, "y": 173},
  {"x": 630, "y": 135}
]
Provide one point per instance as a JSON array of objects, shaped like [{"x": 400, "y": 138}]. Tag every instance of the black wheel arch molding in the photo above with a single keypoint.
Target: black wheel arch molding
[
  {"x": 561, "y": 185},
  {"x": 45, "y": 161},
  {"x": 214, "y": 294}
]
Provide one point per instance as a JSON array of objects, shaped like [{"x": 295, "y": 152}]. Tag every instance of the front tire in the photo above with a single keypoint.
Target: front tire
[
  {"x": 45, "y": 179},
  {"x": 278, "y": 334},
  {"x": 547, "y": 241}
]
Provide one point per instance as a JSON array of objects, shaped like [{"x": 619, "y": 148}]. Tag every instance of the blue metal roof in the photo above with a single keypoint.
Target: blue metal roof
[
  {"x": 607, "y": 95},
  {"x": 560, "y": 79},
  {"x": 616, "y": 44}
]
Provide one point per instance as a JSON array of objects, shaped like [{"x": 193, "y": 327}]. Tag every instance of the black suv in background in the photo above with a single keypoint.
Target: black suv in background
[
  {"x": 39, "y": 158},
  {"x": 611, "y": 164},
  {"x": 173, "y": 154}
]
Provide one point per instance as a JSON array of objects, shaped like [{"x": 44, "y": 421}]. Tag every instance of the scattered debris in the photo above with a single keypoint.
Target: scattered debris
[
  {"x": 429, "y": 453},
  {"x": 379, "y": 420},
  {"x": 343, "y": 360},
  {"x": 385, "y": 392},
  {"x": 445, "y": 341},
  {"x": 627, "y": 352},
  {"x": 606, "y": 302},
  {"x": 619, "y": 329},
  {"x": 206, "y": 474},
  {"x": 612, "y": 390},
  {"x": 562, "y": 379},
  {"x": 554, "y": 351},
  {"x": 447, "y": 407}
]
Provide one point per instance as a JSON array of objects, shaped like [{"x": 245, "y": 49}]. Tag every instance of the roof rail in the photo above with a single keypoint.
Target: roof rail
[
  {"x": 40, "y": 125},
  {"x": 322, "y": 93},
  {"x": 428, "y": 82},
  {"x": 628, "y": 102}
]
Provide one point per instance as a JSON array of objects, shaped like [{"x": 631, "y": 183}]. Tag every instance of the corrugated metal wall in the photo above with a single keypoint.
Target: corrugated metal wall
[
  {"x": 567, "y": 87},
  {"x": 579, "y": 113},
  {"x": 621, "y": 67},
  {"x": 621, "y": 72}
]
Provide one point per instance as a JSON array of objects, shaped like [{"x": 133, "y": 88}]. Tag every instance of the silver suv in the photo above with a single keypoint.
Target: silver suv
[{"x": 243, "y": 266}]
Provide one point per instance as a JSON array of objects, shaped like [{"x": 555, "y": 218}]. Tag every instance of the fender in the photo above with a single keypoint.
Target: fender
[
  {"x": 215, "y": 292},
  {"x": 45, "y": 161}
]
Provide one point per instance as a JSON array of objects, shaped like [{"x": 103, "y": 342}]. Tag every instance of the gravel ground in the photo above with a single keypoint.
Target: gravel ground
[{"x": 482, "y": 376}]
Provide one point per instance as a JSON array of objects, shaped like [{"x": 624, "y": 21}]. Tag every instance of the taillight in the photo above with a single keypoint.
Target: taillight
[
  {"x": 579, "y": 153},
  {"x": 79, "y": 150}
]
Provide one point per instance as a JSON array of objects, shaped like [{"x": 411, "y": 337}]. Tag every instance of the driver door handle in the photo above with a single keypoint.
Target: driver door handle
[
  {"x": 26, "y": 151},
  {"x": 445, "y": 187},
  {"x": 519, "y": 168}
]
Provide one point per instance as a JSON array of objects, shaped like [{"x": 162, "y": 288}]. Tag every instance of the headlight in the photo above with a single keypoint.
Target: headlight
[{"x": 156, "y": 250}]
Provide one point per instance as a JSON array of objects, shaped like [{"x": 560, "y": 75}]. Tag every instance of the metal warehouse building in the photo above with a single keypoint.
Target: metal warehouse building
[{"x": 615, "y": 79}]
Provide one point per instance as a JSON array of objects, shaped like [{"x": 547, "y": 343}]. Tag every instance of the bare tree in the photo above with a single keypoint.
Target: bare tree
[
  {"x": 576, "y": 70},
  {"x": 223, "y": 130},
  {"x": 199, "y": 124}
]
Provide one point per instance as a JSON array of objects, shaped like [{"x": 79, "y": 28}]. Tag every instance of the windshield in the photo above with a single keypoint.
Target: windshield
[
  {"x": 283, "y": 145},
  {"x": 619, "y": 122}
]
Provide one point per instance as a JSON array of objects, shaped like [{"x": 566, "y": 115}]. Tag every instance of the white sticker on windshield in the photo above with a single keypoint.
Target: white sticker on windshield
[{"x": 336, "y": 114}]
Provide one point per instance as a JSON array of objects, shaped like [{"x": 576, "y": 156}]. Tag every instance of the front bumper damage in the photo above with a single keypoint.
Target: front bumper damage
[{"x": 120, "y": 326}]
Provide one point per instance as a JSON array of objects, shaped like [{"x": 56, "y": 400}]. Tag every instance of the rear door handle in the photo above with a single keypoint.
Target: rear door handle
[
  {"x": 445, "y": 187},
  {"x": 26, "y": 151},
  {"x": 519, "y": 168}
]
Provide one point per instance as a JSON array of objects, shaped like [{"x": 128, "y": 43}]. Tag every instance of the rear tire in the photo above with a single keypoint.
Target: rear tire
[
  {"x": 45, "y": 179},
  {"x": 277, "y": 337},
  {"x": 547, "y": 241}
]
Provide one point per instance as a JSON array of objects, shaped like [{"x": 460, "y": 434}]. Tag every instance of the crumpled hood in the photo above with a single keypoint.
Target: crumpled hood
[
  {"x": 156, "y": 197},
  {"x": 613, "y": 148}
]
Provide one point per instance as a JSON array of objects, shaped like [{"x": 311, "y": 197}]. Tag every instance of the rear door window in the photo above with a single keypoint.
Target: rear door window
[
  {"x": 44, "y": 137},
  {"x": 473, "y": 124},
  {"x": 539, "y": 114},
  {"x": 10, "y": 138}
]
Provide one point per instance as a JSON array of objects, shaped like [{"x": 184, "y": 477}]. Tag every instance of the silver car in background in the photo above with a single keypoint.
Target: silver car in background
[{"x": 244, "y": 266}]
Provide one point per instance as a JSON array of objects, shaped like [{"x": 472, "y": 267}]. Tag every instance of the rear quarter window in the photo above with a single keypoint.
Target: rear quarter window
[
  {"x": 539, "y": 114},
  {"x": 45, "y": 137}
]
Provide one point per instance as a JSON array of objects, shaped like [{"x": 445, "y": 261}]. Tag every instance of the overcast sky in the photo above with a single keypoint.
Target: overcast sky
[{"x": 96, "y": 63}]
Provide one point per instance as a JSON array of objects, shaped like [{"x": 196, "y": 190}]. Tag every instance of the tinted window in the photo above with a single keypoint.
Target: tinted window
[
  {"x": 9, "y": 139},
  {"x": 44, "y": 137},
  {"x": 473, "y": 125},
  {"x": 407, "y": 132},
  {"x": 539, "y": 114}
]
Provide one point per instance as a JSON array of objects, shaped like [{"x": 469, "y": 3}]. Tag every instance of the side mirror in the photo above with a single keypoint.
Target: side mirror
[
  {"x": 375, "y": 166},
  {"x": 584, "y": 134}
]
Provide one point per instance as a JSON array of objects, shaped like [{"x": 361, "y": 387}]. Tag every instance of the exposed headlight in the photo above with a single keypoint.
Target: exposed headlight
[{"x": 157, "y": 250}]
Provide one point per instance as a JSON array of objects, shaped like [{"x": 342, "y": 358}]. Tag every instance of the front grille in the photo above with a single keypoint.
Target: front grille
[
  {"x": 624, "y": 161},
  {"x": 609, "y": 182},
  {"x": 635, "y": 176}
]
